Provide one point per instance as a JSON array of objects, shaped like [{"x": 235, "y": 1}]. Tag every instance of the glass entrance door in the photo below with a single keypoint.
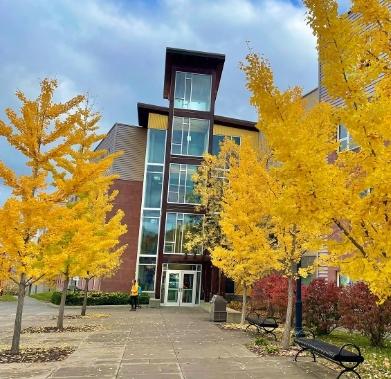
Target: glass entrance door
[
  {"x": 180, "y": 288},
  {"x": 188, "y": 292},
  {"x": 172, "y": 293}
]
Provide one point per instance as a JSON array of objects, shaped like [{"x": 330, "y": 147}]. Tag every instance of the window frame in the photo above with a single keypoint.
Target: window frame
[
  {"x": 229, "y": 137},
  {"x": 174, "y": 242},
  {"x": 188, "y": 126},
  {"x": 350, "y": 144},
  {"x": 147, "y": 210},
  {"x": 189, "y": 77},
  {"x": 180, "y": 184}
]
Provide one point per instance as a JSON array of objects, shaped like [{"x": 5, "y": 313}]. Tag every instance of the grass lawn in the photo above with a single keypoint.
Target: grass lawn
[
  {"x": 7, "y": 298},
  {"x": 377, "y": 362},
  {"x": 43, "y": 296}
]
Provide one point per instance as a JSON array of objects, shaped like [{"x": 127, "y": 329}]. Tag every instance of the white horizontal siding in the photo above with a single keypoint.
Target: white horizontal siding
[{"x": 369, "y": 89}]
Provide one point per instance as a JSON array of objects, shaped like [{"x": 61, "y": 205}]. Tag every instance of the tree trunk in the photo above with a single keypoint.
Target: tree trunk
[
  {"x": 60, "y": 319},
  {"x": 84, "y": 307},
  {"x": 244, "y": 305},
  {"x": 18, "y": 317},
  {"x": 285, "y": 343}
]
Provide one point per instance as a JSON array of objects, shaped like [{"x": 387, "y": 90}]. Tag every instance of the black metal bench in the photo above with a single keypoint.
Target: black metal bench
[
  {"x": 344, "y": 358},
  {"x": 263, "y": 325}
]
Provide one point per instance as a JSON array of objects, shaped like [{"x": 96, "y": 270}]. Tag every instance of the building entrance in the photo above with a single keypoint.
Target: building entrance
[{"x": 181, "y": 287}]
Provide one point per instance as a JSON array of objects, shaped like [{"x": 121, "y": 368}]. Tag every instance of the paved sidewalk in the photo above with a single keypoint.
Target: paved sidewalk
[{"x": 160, "y": 343}]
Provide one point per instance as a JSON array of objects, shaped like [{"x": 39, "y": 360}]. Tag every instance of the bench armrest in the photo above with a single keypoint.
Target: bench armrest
[
  {"x": 308, "y": 332},
  {"x": 270, "y": 318},
  {"x": 352, "y": 345}
]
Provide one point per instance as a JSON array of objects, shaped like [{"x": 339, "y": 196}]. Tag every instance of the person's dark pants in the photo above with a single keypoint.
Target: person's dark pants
[{"x": 134, "y": 301}]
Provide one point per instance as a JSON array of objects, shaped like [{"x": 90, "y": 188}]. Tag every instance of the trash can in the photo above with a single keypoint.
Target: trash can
[{"x": 218, "y": 309}]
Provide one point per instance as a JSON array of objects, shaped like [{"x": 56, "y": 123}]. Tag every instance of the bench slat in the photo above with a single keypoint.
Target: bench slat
[
  {"x": 328, "y": 350},
  {"x": 261, "y": 322}
]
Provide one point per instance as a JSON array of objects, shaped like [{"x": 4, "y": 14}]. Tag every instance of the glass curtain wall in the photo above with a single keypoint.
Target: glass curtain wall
[
  {"x": 176, "y": 233},
  {"x": 181, "y": 185},
  {"x": 151, "y": 212},
  {"x": 189, "y": 136}
]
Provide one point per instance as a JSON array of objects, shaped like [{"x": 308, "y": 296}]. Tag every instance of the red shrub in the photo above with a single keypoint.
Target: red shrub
[
  {"x": 359, "y": 311},
  {"x": 320, "y": 306},
  {"x": 271, "y": 294}
]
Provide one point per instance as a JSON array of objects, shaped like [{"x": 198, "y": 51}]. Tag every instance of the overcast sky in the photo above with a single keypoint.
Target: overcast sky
[{"x": 115, "y": 50}]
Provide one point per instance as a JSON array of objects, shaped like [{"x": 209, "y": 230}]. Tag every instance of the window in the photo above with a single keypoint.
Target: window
[
  {"x": 156, "y": 145},
  {"x": 192, "y": 91},
  {"x": 153, "y": 186},
  {"x": 189, "y": 136},
  {"x": 146, "y": 277},
  {"x": 149, "y": 232},
  {"x": 177, "y": 227},
  {"x": 150, "y": 222},
  {"x": 218, "y": 139},
  {"x": 181, "y": 186},
  {"x": 345, "y": 139},
  {"x": 343, "y": 280}
]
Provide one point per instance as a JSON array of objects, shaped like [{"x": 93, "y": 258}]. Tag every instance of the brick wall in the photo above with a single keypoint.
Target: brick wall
[{"x": 129, "y": 200}]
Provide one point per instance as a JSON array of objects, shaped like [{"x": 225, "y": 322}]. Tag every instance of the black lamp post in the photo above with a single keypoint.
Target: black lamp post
[{"x": 298, "y": 306}]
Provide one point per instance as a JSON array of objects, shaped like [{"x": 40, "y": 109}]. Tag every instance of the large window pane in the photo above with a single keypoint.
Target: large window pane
[
  {"x": 345, "y": 140},
  {"x": 189, "y": 136},
  {"x": 219, "y": 139},
  {"x": 149, "y": 235},
  {"x": 177, "y": 132},
  {"x": 146, "y": 277},
  {"x": 153, "y": 186},
  {"x": 192, "y": 223},
  {"x": 181, "y": 185},
  {"x": 180, "y": 88},
  {"x": 169, "y": 240},
  {"x": 192, "y": 91},
  {"x": 156, "y": 145},
  {"x": 177, "y": 227},
  {"x": 199, "y": 134},
  {"x": 201, "y": 89}
]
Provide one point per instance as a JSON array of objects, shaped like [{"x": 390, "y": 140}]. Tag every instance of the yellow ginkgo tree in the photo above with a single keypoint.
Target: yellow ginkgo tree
[
  {"x": 326, "y": 188},
  {"x": 87, "y": 243},
  {"x": 287, "y": 182},
  {"x": 88, "y": 235},
  {"x": 103, "y": 256},
  {"x": 48, "y": 135},
  {"x": 209, "y": 182},
  {"x": 243, "y": 257},
  {"x": 354, "y": 51},
  {"x": 258, "y": 221}
]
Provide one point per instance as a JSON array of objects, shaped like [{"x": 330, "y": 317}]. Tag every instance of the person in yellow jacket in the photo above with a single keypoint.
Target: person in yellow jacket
[{"x": 134, "y": 295}]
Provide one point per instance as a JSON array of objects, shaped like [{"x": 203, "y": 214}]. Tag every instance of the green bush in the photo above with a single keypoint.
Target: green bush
[
  {"x": 56, "y": 298},
  {"x": 97, "y": 298},
  {"x": 7, "y": 297},
  {"x": 143, "y": 298},
  {"x": 42, "y": 296}
]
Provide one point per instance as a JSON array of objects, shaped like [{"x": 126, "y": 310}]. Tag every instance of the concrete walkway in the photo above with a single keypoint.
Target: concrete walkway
[{"x": 159, "y": 343}]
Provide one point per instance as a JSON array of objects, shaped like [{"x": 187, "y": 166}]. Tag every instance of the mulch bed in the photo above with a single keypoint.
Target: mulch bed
[
  {"x": 31, "y": 355},
  {"x": 54, "y": 329},
  {"x": 86, "y": 317}
]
